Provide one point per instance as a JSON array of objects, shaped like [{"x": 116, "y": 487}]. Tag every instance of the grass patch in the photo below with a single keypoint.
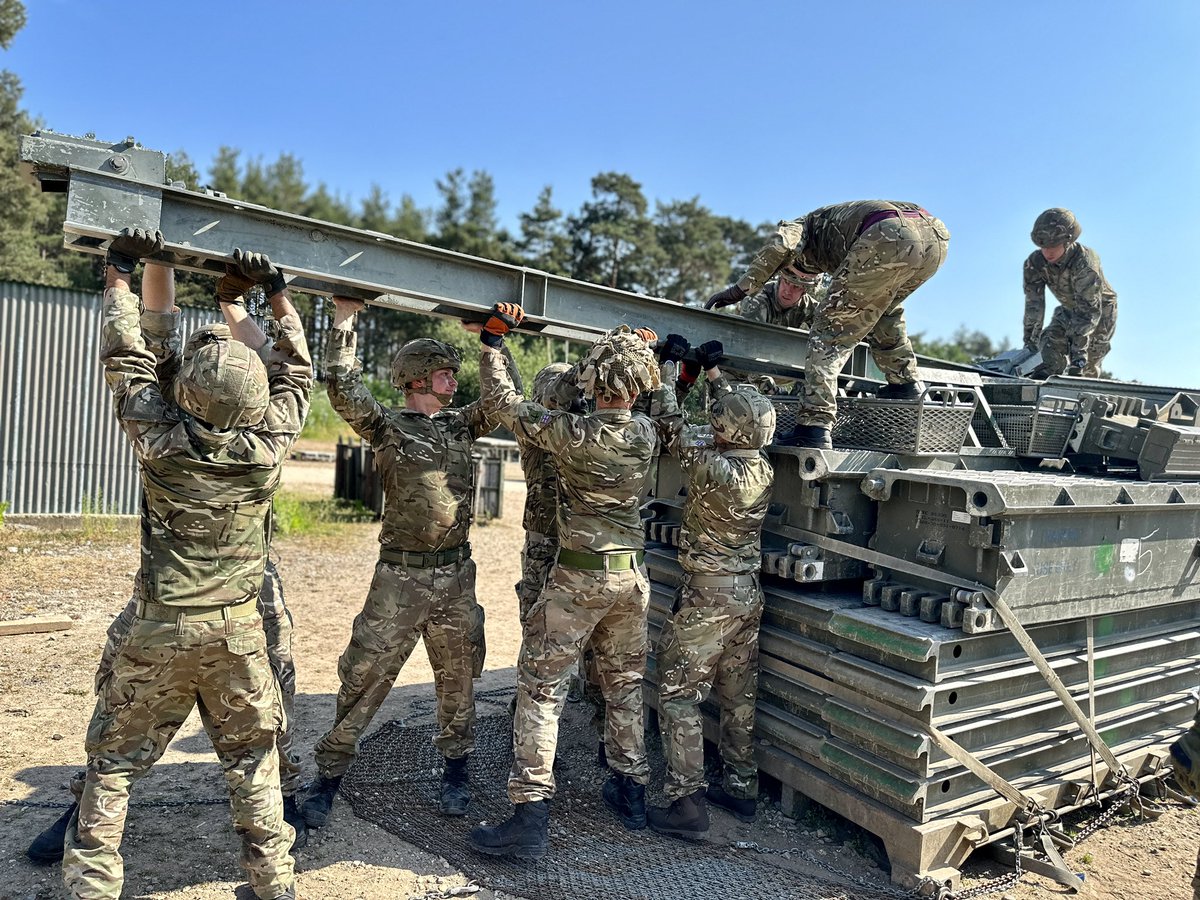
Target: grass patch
[
  {"x": 98, "y": 518},
  {"x": 297, "y": 514},
  {"x": 323, "y": 424}
]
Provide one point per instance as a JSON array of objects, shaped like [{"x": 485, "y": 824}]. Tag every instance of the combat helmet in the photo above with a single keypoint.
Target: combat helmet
[
  {"x": 743, "y": 419},
  {"x": 418, "y": 358},
  {"x": 222, "y": 381},
  {"x": 1054, "y": 227},
  {"x": 552, "y": 391},
  {"x": 620, "y": 364}
]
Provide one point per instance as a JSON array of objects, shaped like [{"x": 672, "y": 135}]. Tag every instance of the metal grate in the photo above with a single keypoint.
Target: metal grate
[
  {"x": 936, "y": 423},
  {"x": 1040, "y": 431},
  {"x": 394, "y": 784}
]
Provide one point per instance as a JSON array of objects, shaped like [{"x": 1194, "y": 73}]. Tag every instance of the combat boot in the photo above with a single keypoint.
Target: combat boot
[
  {"x": 294, "y": 817},
  {"x": 320, "y": 800},
  {"x": 47, "y": 847},
  {"x": 743, "y": 808},
  {"x": 686, "y": 818},
  {"x": 289, "y": 894},
  {"x": 602, "y": 755},
  {"x": 814, "y": 436},
  {"x": 627, "y": 799},
  {"x": 522, "y": 835},
  {"x": 455, "y": 793},
  {"x": 911, "y": 390}
]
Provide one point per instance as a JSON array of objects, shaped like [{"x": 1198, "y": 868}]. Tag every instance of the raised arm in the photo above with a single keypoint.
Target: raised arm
[
  {"x": 160, "y": 323},
  {"x": 1035, "y": 303},
  {"x": 343, "y": 373},
  {"x": 129, "y": 366}
]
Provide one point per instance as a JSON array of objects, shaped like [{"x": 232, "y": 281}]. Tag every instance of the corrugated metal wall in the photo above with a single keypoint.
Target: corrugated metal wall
[{"x": 60, "y": 448}]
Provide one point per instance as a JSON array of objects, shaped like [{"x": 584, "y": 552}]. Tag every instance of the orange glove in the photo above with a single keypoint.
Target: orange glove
[
  {"x": 504, "y": 318},
  {"x": 646, "y": 334}
]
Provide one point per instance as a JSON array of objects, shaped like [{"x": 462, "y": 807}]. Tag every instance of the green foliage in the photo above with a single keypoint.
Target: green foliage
[
  {"x": 3, "y": 510},
  {"x": 97, "y": 517},
  {"x": 964, "y": 346},
  {"x": 295, "y": 515},
  {"x": 322, "y": 423}
]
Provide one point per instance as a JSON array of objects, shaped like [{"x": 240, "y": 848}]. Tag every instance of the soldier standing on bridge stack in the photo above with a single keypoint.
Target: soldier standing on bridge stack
[
  {"x": 210, "y": 464},
  {"x": 161, "y": 332},
  {"x": 424, "y": 584},
  {"x": 878, "y": 253},
  {"x": 1081, "y": 329},
  {"x": 598, "y": 588},
  {"x": 711, "y": 639}
]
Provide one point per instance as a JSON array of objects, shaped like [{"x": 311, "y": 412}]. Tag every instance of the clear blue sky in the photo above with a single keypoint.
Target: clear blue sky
[{"x": 985, "y": 113}]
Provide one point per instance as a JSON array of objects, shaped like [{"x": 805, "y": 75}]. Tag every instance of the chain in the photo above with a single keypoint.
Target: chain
[
  {"x": 1001, "y": 883},
  {"x": 1127, "y": 798},
  {"x": 922, "y": 890}
]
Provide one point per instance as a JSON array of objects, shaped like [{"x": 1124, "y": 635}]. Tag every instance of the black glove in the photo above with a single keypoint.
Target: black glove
[
  {"x": 504, "y": 318},
  {"x": 1076, "y": 367},
  {"x": 130, "y": 246},
  {"x": 727, "y": 297},
  {"x": 259, "y": 267},
  {"x": 233, "y": 285},
  {"x": 710, "y": 353},
  {"x": 672, "y": 348}
]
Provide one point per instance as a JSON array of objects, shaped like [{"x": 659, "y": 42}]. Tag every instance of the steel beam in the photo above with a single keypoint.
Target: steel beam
[{"x": 113, "y": 186}]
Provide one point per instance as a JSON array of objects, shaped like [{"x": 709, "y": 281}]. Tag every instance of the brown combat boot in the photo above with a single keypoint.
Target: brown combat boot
[{"x": 686, "y": 818}]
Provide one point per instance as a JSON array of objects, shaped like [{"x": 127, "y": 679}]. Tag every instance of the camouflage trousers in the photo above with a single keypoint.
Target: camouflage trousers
[
  {"x": 277, "y": 626},
  {"x": 577, "y": 605},
  {"x": 404, "y": 605},
  {"x": 711, "y": 641},
  {"x": 159, "y": 672},
  {"x": 889, "y": 261},
  {"x": 537, "y": 559},
  {"x": 1058, "y": 339}
]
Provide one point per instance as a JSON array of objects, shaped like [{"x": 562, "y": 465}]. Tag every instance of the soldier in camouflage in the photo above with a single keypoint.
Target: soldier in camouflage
[
  {"x": 598, "y": 587},
  {"x": 711, "y": 639},
  {"x": 878, "y": 253},
  {"x": 791, "y": 300},
  {"x": 424, "y": 584},
  {"x": 1081, "y": 329},
  {"x": 210, "y": 463},
  {"x": 161, "y": 332},
  {"x": 1185, "y": 754}
]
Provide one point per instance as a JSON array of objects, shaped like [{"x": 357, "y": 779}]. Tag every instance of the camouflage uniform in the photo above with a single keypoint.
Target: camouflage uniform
[
  {"x": 424, "y": 584},
  {"x": 874, "y": 270},
  {"x": 541, "y": 527},
  {"x": 1083, "y": 324},
  {"x": 764, "y": 307},
  {"x": 195, "y": 636},
  {"x": 603, "y": 463},
  {"x": 711, "y": 639}
]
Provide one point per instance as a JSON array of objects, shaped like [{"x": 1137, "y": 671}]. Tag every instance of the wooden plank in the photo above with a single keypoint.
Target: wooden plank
[{"x": 35, "y": 624}]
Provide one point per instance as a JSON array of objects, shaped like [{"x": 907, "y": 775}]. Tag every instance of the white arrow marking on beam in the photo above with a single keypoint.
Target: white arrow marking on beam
[
  {"x": 350, "y": 259},
  {"x": 207, "y": 227}
]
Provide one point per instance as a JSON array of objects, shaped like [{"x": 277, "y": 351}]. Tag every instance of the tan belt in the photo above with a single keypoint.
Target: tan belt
[
  {"x": 162, "y": 612},
  {"x": 719, "y": 580},
  {"x": 608, "y": 562}
]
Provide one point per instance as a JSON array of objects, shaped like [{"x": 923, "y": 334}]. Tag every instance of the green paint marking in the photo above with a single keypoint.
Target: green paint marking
[{"x": 1105, "y": 554}]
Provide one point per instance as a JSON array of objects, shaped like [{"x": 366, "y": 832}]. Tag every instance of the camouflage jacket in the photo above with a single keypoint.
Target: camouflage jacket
[
  {"x": 817, "y": 242},
  {"x": 1078, "y": 284},
  {"x": 727, "y": 498},
  {"x": 424, "y": 462},
  {"x": 541, "y": 490},
  {"x": 206, "y": 493},
  {"x": 602, "y": 459},
  {"x": 764, "y": 307}
]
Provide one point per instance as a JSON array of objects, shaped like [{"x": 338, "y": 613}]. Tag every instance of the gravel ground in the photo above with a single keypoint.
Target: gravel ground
[{"x": 46, "y": 698}]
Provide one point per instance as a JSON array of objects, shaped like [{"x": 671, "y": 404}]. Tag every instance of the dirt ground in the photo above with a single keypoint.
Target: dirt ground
[{"x": 189, "y": 849}]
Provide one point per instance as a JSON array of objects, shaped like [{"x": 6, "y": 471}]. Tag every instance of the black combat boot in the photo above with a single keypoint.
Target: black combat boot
[
  {"x": 627, "y": 799},
  {"x": 522, "y": 835},
  {"x": 320, "y": 800},
  {"x": 601, "y": 755},
  {"x": 686, "y": 818},
  {"x": 455, "y": 793},
  {"x": 47, "y": 847},
  {"x": 289, "y": 894},
  {"x": 744, "y": 808},
  {"x": 911, "y": 390},
  {"x": 294, "y": 817},
  {"x": 814, "y": 436}
]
